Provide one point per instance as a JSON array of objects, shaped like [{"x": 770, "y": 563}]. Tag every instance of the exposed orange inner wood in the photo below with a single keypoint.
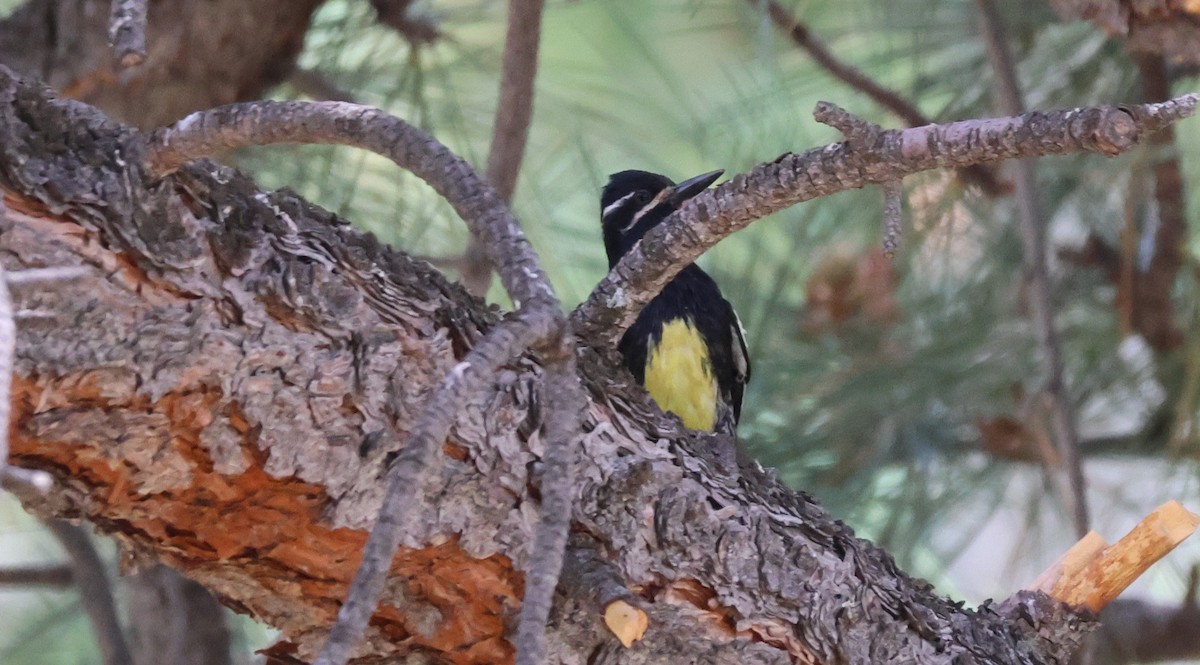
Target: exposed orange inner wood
[
  {"x": 264, "y": 528},
  {"x": 1091, "y": 574}
]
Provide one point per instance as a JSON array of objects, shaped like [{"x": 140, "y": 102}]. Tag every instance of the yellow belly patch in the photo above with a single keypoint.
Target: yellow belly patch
[{"x": 679, "y": 375}]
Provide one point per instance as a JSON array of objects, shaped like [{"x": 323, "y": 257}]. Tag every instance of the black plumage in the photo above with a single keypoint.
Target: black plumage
[{"x": 632, "y": 203}]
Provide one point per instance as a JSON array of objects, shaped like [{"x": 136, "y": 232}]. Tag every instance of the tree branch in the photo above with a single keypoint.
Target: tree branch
[
  {"x": 889, "y": 99},
  {"x": 510, "y": 129},
  {"x": 54, "y": 576},
  {"x": 539, "y": 321},
  {"x": 564, "y": 400},
  {"x": 94, "y": 590},
  {"x": 1153, "y": 286},
  {"x": 127, "y": 31},
  {"x": 1032, "y": 226},
  {"x": 794, "y": 178},
  {"x": 249, "y": 356},
  {"x": 263, "y": 123}
]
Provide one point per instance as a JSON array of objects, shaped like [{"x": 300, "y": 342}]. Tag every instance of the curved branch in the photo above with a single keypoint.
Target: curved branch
[
  {"x": 338, "y": 123},
  {"x": 539, "y": 319},
  {"x": 564, "y": 400},
  {"x": 798, "y": 177}
]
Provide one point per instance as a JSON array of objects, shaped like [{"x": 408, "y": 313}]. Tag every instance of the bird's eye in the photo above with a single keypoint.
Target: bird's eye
[{"x": 642, "y": 197}]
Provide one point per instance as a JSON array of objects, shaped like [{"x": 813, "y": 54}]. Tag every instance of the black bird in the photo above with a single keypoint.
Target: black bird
[{"x": 686, "y": 347}]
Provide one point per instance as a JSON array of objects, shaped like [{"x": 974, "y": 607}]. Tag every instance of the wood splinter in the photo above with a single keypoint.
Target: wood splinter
[
  {"x": 627, "y": 622},
  {"x": 1092, "y": 573}
]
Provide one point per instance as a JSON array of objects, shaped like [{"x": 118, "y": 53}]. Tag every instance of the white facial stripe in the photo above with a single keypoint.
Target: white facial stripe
[
  {"x": 616, "y": 204},
  {"x": 662, "y": 196}
]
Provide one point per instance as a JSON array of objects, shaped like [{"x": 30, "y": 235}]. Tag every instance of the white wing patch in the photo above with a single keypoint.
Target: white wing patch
[{"x": 741, "y": 356}]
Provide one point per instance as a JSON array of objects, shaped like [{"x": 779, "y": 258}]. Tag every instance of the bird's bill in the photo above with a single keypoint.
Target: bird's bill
[{"x": 693, "y": 186}]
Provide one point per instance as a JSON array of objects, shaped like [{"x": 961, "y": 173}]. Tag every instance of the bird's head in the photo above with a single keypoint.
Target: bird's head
[{"x": 634, "y": 202}]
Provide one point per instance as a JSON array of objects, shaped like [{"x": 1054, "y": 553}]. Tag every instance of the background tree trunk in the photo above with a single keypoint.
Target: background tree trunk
[{"x": 199, "y": 54}]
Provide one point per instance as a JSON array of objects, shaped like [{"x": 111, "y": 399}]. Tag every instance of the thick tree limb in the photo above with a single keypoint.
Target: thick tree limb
[
  {"x": 262, "y": 123},
  {"x": 540, "y": 320},
  {"x": 797, "y": 177},
  {"x": 466, "y": 379},
  {"x": 233, "y": 405}
]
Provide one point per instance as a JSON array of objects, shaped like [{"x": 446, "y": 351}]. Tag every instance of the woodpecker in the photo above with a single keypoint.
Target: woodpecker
[{"x": 686, "y": 347}]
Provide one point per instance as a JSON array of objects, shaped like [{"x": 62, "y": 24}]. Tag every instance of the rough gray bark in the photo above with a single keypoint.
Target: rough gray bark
[
  {"x": 225, "y": 390},
  {"x": 199, "y": 54}
]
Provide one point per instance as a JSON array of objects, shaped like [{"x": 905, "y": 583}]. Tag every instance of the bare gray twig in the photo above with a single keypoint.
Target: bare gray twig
[
  {"x": 564, "y": 401},
  {"x": 891, "y": 100},
  {"x": 127, "y": 31},
  {"x": 472, "y": 374},
  {"x": 793, "y": 178},
  {"x": 94, "y": 591},
  {"x": 53, "y": 576},
  {"x": 510, "y": 130},
  {"x": 19, "y": 278},
  {"x": 893, "y": 221},
  {"x": 860, "y": 133},
  {"x": 1032, "y": 228},
  {"x": 339, "y": 123}
]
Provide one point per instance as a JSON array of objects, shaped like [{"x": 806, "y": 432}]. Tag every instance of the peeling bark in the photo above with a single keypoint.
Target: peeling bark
[{"x": 225, "y": 390}]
